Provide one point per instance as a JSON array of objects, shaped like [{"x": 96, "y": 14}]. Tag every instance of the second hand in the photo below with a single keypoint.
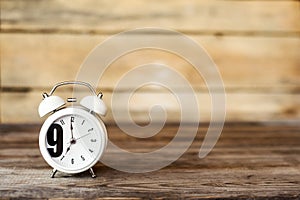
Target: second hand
[{"x": 79, "y": 137}]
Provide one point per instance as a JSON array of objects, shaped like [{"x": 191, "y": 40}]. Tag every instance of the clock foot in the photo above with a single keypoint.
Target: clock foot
[
  {"x": 92, "y": 173},
  {"x": 53, "y": 173}
]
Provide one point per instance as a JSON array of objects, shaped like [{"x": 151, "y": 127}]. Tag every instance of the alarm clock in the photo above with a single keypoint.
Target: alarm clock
[{"x": 73, "y": 138}]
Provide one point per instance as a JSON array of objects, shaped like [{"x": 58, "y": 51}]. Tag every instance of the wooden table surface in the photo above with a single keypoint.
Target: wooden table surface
[{"x": 250, "y": 161}]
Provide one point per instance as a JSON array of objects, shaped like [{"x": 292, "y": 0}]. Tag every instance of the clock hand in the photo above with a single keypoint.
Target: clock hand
[
  {"x": 68, "y": 149},
  {"x": 82, "y": 136},
  {"x": 79, "y": 137},
  {"x": 71, "y": 129},
  {"x": 73, "y": 141}
]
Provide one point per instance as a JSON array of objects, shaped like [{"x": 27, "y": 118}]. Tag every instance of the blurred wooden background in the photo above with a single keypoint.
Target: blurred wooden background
[{"x": 255, "y": 43}]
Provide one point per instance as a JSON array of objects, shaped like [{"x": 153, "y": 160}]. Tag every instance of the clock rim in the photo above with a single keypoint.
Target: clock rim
[{"x": 69, "y": 111}]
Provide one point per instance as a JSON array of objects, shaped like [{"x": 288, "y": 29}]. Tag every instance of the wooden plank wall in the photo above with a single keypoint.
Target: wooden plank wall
[{"x": 255, "y": 43}]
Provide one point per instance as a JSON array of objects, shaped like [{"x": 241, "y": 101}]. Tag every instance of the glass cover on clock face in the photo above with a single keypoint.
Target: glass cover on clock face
[{"x": 73, "y": 142}]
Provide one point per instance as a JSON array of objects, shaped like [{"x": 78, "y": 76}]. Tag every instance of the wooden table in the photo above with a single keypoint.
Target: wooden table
[{"x": 250, "y": 161}]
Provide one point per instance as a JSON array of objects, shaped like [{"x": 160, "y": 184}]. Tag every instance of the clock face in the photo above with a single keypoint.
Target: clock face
[{"x": 72, "y": 140}]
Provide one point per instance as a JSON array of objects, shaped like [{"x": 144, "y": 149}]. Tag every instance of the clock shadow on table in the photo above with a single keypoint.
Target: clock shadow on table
[{"x": 99, "y": 169}]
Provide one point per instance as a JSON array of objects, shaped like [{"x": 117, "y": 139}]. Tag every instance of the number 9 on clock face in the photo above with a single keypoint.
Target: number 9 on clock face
[{"x": 72, "y": 140}]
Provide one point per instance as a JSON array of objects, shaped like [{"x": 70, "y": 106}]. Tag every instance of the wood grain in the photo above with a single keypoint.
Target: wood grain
[
  {"x": 250, "y": 161},
  {"x": 255, "y": 44},
  {"x": 244, "y": 62},
  {"x": 92, "y": 16},
  {"x": 20, "y": 107}
]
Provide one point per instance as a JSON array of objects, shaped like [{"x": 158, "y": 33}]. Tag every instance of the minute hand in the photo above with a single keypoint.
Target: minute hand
[{"x": 71, "y": 127}]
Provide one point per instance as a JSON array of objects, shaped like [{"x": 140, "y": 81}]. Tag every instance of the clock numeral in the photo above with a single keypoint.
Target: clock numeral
[
  {"x": 91, "y": 150},
  {"x": 55, "y": 139},
  {"x": 93, "y": 140},
  {"x": 62, "y": 122},
  {"x": 91, "y": 129},
  {"x": 72, "y": 161},
  {"x": 82, "y": 122},
  {"x": 82, "y": 157},
  {"x": 72, "y": 119}
]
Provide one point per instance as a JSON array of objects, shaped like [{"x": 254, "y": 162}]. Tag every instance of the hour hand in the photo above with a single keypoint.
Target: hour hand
[{"x": 68, "y": 149}]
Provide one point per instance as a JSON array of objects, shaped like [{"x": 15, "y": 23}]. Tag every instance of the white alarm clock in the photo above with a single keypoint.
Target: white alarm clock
[{"x": 73, "y": 138}]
